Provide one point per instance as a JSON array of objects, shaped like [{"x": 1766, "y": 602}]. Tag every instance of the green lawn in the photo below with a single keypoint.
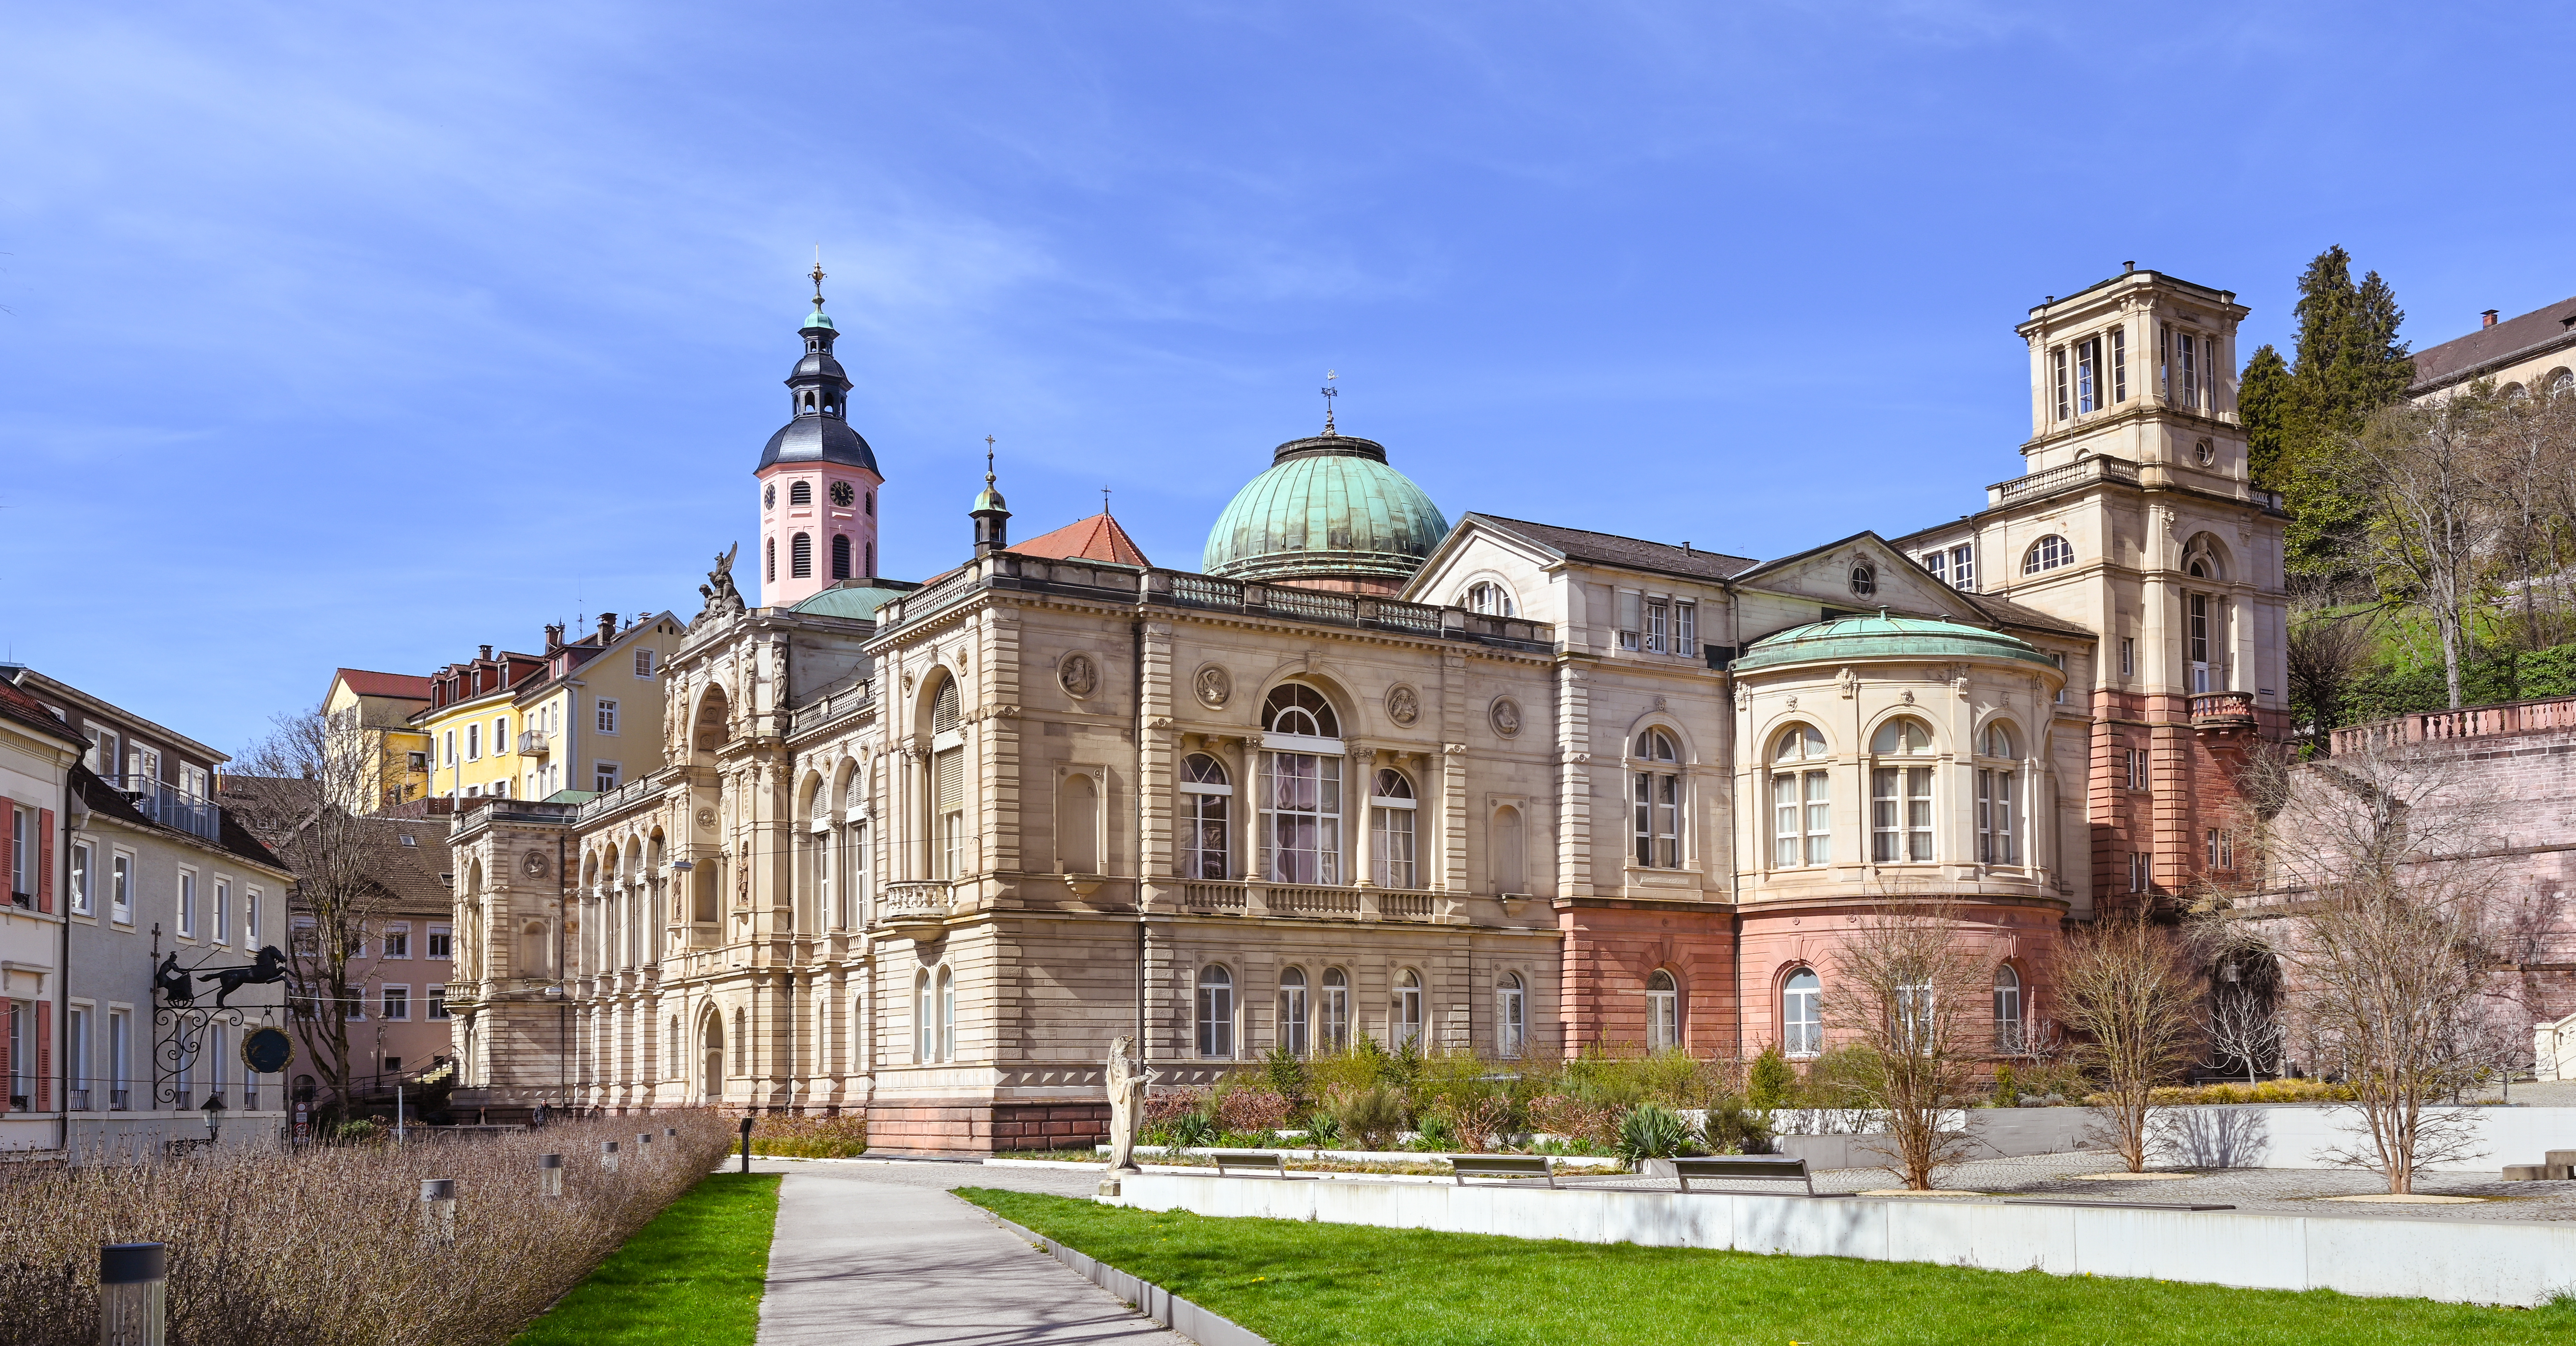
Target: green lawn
[
  {"x": 692, "y": 1276},
  {"x": 1302, "y": 1284}
]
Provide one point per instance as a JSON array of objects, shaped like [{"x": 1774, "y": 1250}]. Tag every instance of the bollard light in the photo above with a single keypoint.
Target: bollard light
[
  {"x": 608, "y": 1156},
  {"x": 644, "y": 1146},
  {"x": 746, "y": 1143},
  {"x": 438, "y": 1209},
  {"x": 133, "y": 1293},
  {"x": 550, "y": 1175}
]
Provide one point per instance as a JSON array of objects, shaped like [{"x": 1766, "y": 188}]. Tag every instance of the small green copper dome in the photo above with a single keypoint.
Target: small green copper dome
[
  {"x": 1328, "y": 508},
  {"x": 1880, "y": 638},
  {"x": 818, "y": 318},
  {"x": 988, "y": 498}
]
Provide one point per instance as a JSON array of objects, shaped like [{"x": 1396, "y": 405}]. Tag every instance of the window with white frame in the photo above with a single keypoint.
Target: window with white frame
[
  {"x": 1207, "y": 810},
  {"x": 397, "y": 939},
  {"x": 1391, "y": 810},
  {"x": 1632, "y": 618},
  {"x": 2119, "y": 365},
  {"x": 603, "y": 776},
  {"x": 2197, "y": 642},
  {"x": 1802, "y": 1020},
  {"x": 1963, "y": 567},
  {"x": 220, "y": 919},
  {"x": 2141, "y": 872},
  {"x": 1407, "y": 1010},
  {"x": 188, "y": 903},
  {"x": 1937, "y": 561},
  {"x": 1511, "y": 1016},
  {"x": 947, "y": 782},
  {"x": 607, "y": 714},
  {"x": 1333, "y": 1015},
  {"x": 2222, "y": 849},
  {"x": 82, "y": 875},
  {"x": 1216, "y": 1013},
  {"x": 2048, "y": 553},
  {"x": 1659, "y": 621},
  {"x": 1663, "y": 1012},
  {"x": 2088, "y": 375},
  {"x": 250, "y": 918},
  {"x": 1655, "y": 801},
  {"x": 1300, "y": 790},
  {"x": 474, "y": 742},
  {"x": 2058, "y": 380},
  {"x": 644, "y": 663},
  {"x": 1900, "y": 803},
  {"x": 500, "y": 734},
  {"x": 397, "y": 1004},
  {"x": 1914, "y": 1010},
  {"x": 1801, "y": 799},
  {"x": 1292, "y": 1011},
  {"x": 947, "y": 1015},
  {"x": 1491, "y": 599},
  {"x": 434, "y": 1001},
  {"x": 925, "y": 1032},
  {"x": 2136, "y": 764},
  {"x": 120, "y": 889},
  {"x": 2128, "y": 656},
  {"x": 1685, "y": 628},
  {"x": 451, "y": 747},
  {"x": 1998, "y": 833},
  {"x": 441, "y": 943}
]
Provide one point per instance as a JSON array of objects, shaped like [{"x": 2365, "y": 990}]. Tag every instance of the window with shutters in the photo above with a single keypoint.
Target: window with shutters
[
  {"x": 1632, "y": 619},
  {"x": 840, "y": 556},
  {"x": 800, "y": 556},
  {"x": 948, "y": 811},
  {"x": 800, "y": 493}
]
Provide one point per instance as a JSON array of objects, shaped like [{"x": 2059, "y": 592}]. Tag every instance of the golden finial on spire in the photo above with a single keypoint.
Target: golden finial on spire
[
  {"x": 1329, "y": 394},
  {"x": 818, "y": 275}
]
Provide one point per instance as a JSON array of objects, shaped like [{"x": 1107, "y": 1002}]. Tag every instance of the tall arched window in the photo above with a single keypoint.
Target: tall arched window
[
  {"x": 769, "y": 562},
  {"x": 1207, "y": 807},
  {"x": 711, "y": 1057},
  {"x": 1292, "y": 1010},
  {"x": 1408, "y": 1008},
  {"x": 925, "y": 1031},
  {"x": 1216, "y": 1013},
  {"x": 800, "y": 556},
  {"x": 1391, "y": 829},
  {"x": 1663, "y": 1011},
  {"x": 947, "y": 1044},
  {"x": 947, "y": 784},
  {"x": 2008, "y": 1030},
  {"x": 2048, "y": 553},
  {"x": 840, "y": 556},
  {"x": 1802, "y": 1018},
  {"x": 1492, "y": 599},
  {"x": 1300, "y": 787},
  {"x": 1802, "y": 800},
  {"x": 1900, "y": 795},
  {"x": 1655, "y": 801},
  {"x": 1511, "y": 1015},
  {"x": 800, "y": 493},
  {"x": 1333, "y": 1017},
  {"x": 1998, "y": 830}
]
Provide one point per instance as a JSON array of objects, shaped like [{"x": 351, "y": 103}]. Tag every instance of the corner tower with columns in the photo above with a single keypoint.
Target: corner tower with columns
[{"x": 818, "y": 480}]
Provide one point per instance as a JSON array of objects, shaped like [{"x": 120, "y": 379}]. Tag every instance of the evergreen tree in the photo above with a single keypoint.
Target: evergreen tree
[
  {"x": 2348, "y": 363},
  {"x": 2262, "y": 401}
]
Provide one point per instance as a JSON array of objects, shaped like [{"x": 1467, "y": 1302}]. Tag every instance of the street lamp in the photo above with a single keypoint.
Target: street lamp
[{"x": 214, "y": 1110}]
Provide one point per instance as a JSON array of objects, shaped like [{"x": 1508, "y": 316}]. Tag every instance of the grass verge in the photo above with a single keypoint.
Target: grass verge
[
  {"x": 693, "y": 1277},
  {"x": 1302, "y": 1284}
]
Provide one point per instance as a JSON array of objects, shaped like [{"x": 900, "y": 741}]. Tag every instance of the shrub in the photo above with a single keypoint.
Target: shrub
[
  {"x": 1165, "y": 1108},
  {"x": 1772, "y": 1082},
  {"x": 1323, "y": 1130},
  {"x": 320, "y": 1245},
  {"x": 1371, "y": 1117},
  {"x": 810, "y": 1137},
  {"x": 1734, "y": 1130},
  {"x": 1573, "y": 1118},
  {"x": 2007, "y": 1093},
  {"x": 1480, "y": 1121},
  {"x": 1651, "y": 1131},
  {"x": 1286, "y": 1075},
  {"x": 1840, "y": 1077},
  {"x": 1252, "y": 1109}
]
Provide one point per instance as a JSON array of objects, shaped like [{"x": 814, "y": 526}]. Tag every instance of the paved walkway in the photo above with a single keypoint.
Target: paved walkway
[{"x": 881, "y": 1255}]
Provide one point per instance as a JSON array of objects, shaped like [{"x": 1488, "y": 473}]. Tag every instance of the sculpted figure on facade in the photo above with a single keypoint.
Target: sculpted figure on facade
[{"x": 1127, "y": 1078}]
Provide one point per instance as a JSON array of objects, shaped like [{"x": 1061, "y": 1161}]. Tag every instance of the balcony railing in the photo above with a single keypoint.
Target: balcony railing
[
  {"x": 79, "y": 1099},
  {"x": 171, "y": 806},
  {"x": 120, "y": 1100},
  {"x": 2433, "y": 726},
  {"x": 2219, "y": 710},
  {"x": 831, "y": 706},
  {"x": 532, "y": 743},
  {"x": 2064, "y": 478},
  {"x": 1329, "y": 902}
]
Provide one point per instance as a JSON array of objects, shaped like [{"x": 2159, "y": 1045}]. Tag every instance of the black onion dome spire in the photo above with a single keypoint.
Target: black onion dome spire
[{"x": 820, "y": 392}]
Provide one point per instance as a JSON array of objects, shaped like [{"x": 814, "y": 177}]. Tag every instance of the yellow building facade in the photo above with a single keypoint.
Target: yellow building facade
[{"x": 375, "y": 710}]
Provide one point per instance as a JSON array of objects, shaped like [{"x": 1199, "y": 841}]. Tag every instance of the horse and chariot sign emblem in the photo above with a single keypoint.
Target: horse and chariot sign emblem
[{"x": 184, "y": 1025}]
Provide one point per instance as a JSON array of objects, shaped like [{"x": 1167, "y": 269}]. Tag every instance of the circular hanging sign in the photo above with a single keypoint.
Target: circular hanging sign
[{"x": 267, "y": 1051}]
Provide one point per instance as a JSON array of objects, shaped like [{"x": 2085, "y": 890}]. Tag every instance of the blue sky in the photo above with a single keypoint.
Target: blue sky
[{"x": 365, "y": 335}]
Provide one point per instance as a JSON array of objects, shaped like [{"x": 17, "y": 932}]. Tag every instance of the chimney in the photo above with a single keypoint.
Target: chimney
[
  {"x": 2126, "y": 267},
  {"x": 2489, "y": 314},
  {"x": 607, "y": 628},
  {"x": 554, "y": 637},
  {"x": 487, "y": 652}
]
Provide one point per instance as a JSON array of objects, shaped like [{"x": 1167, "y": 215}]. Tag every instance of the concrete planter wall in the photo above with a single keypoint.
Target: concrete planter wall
[
  {"x": 2250, "y": 1135},
  {"x": 2455, "y": 1261}
]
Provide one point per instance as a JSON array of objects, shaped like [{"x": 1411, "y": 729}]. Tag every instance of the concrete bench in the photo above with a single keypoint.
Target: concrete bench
[
  {"x": 1229, "y": 1159},
  {"x": 1465, "y": 1166},
  {"x": 1742, "y": 1166}
]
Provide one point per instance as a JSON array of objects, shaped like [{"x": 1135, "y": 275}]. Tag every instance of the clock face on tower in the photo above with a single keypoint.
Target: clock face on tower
[
  {"x": 842, "y": 494},
  {"x": 769, "y": 497}
]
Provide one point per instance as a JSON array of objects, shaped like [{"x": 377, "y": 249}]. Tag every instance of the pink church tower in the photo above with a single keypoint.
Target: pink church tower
[{"x": 818, "y": 480}]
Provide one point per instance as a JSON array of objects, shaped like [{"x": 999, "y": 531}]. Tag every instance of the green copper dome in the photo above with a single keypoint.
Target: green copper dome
[
  {"x": 1328, "y": 508},
  {"x": 1880, "y": 638}
]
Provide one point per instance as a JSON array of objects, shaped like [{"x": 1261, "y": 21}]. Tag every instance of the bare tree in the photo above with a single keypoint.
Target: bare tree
[
  {"x": 286, "y": 789},
  {"x": 2125, "y": 997},
  {"x": 2241, "y": 1024},
  {"x": 2381, "y": 913},
  {"x": 2327, "y": 651},
  {"x": 2433, "y": 521},
  {"x": 1910, "y": 988},
  {"x": 2524, "y": 471}
]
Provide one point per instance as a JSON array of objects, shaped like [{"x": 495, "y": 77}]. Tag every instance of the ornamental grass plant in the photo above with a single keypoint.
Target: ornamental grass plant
[
  {"x": 811, "y": 1137},
  {"x": 325, "y": 1244}
]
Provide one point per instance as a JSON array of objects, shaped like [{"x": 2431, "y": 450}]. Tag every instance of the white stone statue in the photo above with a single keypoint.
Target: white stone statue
[{"x": 1127, "y": 1078}]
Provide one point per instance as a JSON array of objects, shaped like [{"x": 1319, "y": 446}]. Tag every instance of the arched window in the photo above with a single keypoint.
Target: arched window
[
  {"x": 872, "y": 556},
  {"x": 769, "y": 562},
  {"x": 1408, "y": 1008},
  {"x": 1900, "y": 797},
  {"x": 840, "y": 556},
  {"x": 947, "y": 784},
  {"x": 1655, "y": 802},
  {"x": 1333, "y": 1017},
  {"x": 1998, "y": 830},
  {"x": 1391, "y": 829},
  {"x": 1492, "y": 599},
  {"x": 1292, "y": 1010},
  {"x": 1300, "y": 788},
  {"x": 2560, "y": 381},
  {"x": 1663, "y": 1011},
  {"x": 1510, "y": 852},
  {"x": 1216, "y": 1013},
  {"x": 1511, "y": 1015},
  {"x": 2008, "y": 1024},
  {"x": 800, "y": 493},
  {"x": 1207, "y": 804},
  {"x": 925, "y": 1032},
  {"x": 1802, "y": 804},
  {"x": 2514, "y": 392},
  {"x": 947, "y": 1015},
  {"x": 943, "y": 707},
  {"x": 711, "y": 1057},
  {"x": 1802, "y": 1016},
  {"x": 2048, "y": 553},
  {"x": 800, "y": 554}
]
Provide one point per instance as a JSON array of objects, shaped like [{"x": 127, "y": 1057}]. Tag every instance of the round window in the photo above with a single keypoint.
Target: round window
[{"x": 2205, "y": 451}]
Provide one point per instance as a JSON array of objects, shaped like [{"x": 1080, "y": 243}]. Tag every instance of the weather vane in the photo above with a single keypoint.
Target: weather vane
[
  {"x": 1330, "y": 392},
  {"x": 818, "y": 275}
]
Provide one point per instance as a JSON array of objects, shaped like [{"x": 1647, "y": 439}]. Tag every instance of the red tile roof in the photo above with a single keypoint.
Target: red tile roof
[
  {"x": 368, "y": 683},
  {"x": 1098, "y": 538}
]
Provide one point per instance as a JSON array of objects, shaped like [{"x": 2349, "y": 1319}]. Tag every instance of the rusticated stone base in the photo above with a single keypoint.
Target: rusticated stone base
[{"x": 975, "y": 1127}]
